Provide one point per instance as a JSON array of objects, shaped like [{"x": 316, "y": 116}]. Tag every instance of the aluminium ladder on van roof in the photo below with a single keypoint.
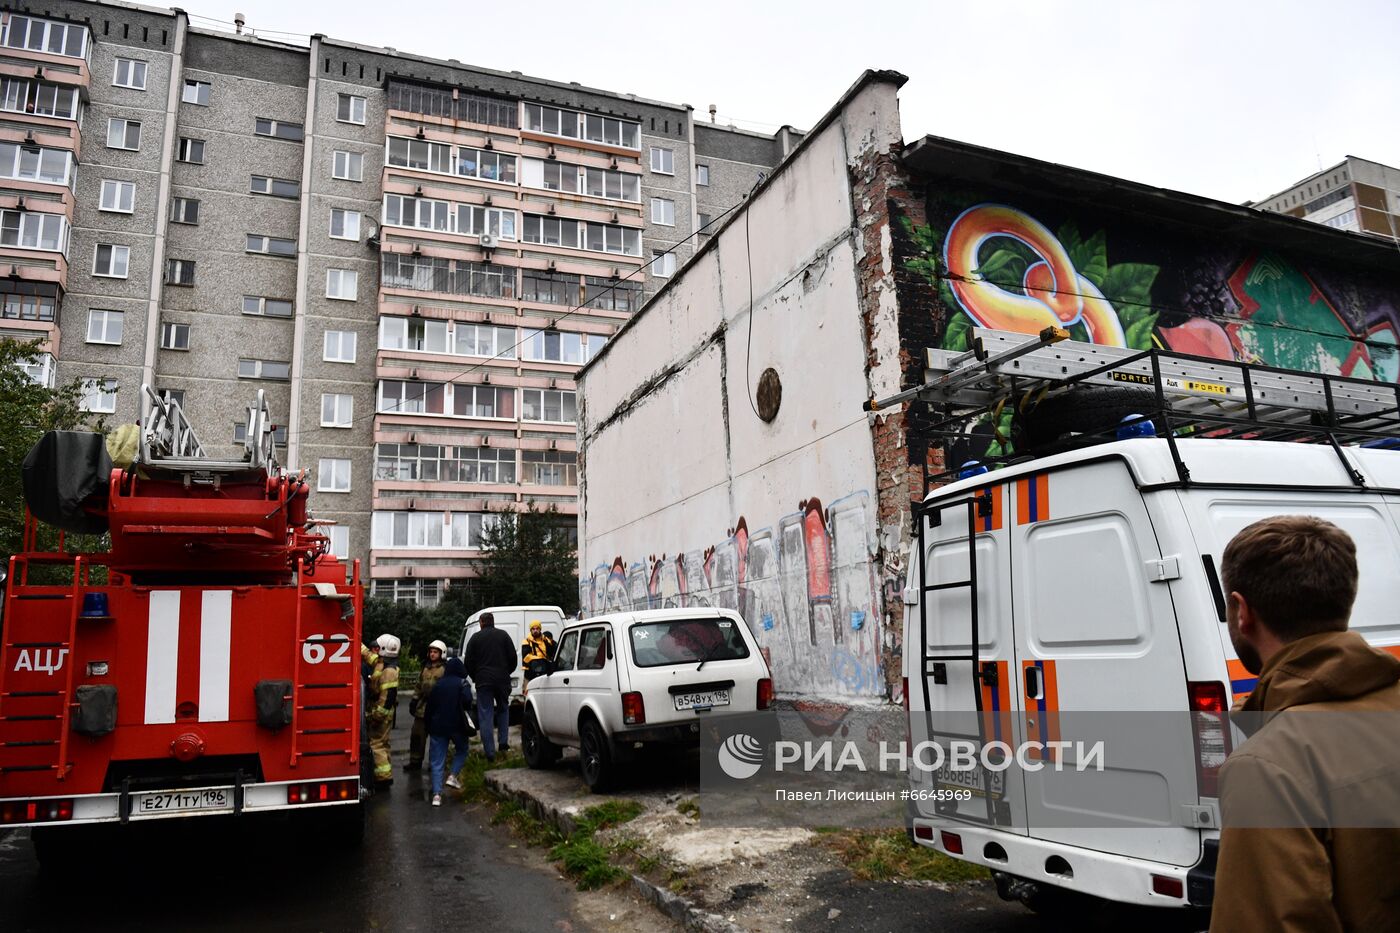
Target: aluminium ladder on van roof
[{"x": 1189, "y": 395}]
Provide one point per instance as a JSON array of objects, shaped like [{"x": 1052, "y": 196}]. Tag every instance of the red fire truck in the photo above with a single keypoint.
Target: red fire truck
[{"x": 217, "y": 668}]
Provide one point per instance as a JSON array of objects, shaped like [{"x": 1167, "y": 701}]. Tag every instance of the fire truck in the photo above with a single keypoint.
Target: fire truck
[{"x": 207, "y": 664}]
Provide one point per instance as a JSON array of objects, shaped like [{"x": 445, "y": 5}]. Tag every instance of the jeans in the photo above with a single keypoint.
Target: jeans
[
  {"x": 493, "y": 705},
  {"x": 437, "y": 756}
]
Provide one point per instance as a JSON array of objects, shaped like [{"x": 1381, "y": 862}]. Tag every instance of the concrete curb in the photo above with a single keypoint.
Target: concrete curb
[{"x": 676, "y": 906}]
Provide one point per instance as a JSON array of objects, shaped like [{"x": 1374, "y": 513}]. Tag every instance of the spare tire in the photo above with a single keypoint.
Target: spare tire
[{"x": 1079, "y": 417}]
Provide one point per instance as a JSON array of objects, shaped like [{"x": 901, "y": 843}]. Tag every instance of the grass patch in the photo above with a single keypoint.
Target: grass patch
[
  {"x": 585, "y": 859},
  {"x": 526, "y": 825},
  {"x": 473, "y": 776},
  {"x": 887, "y": 855},
  {"x": 689, "y": 807}
]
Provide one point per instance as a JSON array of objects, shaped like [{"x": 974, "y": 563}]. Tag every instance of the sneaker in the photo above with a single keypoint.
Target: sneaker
[
  {"x": 453, "y": 782},
  {"x": 437, "y": 800}
]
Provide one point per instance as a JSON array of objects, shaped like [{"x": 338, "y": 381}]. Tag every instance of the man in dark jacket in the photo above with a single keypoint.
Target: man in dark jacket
[
  {"x": 445, "y": 710},
  {"x": 1310, "y": 802},
  {"x": 491, "y": 659}
]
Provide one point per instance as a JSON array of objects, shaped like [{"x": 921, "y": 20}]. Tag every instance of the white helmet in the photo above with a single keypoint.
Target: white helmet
[
  {"x": 388, "y": 646},
  {"x": 438, "y": 644}
]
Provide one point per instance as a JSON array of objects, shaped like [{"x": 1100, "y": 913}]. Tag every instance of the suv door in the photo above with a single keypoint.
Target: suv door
[
  {"x": 595, "y": 679},
  {"x": 551, "y": 692}
]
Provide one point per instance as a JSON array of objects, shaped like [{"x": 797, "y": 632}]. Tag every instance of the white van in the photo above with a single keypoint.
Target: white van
[
  {"x": 515, "y": 622},
  {"x": 1097, "y": 590}
]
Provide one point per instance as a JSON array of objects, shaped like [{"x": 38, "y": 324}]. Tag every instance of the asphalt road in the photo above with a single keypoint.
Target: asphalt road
[{"x": 419, "y": 869}]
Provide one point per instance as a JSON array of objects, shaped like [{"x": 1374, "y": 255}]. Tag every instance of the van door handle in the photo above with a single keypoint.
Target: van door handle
[{"x": 1032, "y": 683}]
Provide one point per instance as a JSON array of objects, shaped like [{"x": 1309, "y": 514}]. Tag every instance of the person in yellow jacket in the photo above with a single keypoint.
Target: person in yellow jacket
[
  {"x": 539, "y": 646},
  {"x": 383, "y": 698},
  {"x": 430, "y": 674}
]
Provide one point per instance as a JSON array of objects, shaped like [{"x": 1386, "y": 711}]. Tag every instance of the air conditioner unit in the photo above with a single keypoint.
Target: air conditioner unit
[
  {"x": 488, "y": 144},
  {"x": 614, "y": 162},
  {"x": 614, "y": 217},
  {"x": 486, "y": 442},
  {"x": 413, "y": 374},
  {"x": 553, "y": 265},
  {"x": 416, "y": 311},
  {"x": 553, "y": 445},
  {"x": 487, "y": 241},
  {"x": 412, "y": 505},
  {"x": 418, "y": 192},
  {"x": 486, "y": 379},
  {"x": 408, "y": 571},
  {"x": 550, "y": 154},
  {"x": 413, "y": 438},
  {"x": 551, "y": 208},
  {"x": 486, "y": 317},
  {"x": 554, "y": 383},
  {"x": 487, "y": 202}
]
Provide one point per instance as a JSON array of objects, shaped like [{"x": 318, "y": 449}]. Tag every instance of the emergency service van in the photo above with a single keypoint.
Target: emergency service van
[
  {"x": 515, "y": 621},
  {"x": 1077, "y": 583}
]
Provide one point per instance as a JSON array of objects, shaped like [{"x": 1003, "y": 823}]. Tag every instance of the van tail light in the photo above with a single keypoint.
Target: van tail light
[
  {"x": 35, "y": 811},
  {"x": 952, "y": 842},
  {"x": 1167, "y": 886},
  {"x": 323, "y": 792},
  {"x": 765, "y": 692},
  {"x": 1210, "y": 727},
  {"x": 634, "y": 711}
]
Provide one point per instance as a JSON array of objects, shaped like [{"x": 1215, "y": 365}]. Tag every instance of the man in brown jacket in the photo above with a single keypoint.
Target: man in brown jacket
[{"x": 1311, "y": 801}]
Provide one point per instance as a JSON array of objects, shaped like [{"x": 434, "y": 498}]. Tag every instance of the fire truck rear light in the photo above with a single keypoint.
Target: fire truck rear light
[
  {"x": 1170, "y": 887},
  {"x": 952, "y": 842},
  {"x": 322, "y": 792},
  {"x": 36, "y": 811},
  {"x": 1210, "y": 728},
  {"x": 634, "y": 711},
  {"x": 765, "y": 692}
]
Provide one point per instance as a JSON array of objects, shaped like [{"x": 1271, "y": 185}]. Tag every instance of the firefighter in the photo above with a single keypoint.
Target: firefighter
[
  {"x": 384, "y": 693},
  {"x": 418, "y": 740},
  {"x": 538, "y": 647}
]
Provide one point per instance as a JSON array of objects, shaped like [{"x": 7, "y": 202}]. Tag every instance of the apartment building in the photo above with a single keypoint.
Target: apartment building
[
  {"x": 1355, "y": 194},
  {"x": 407, "y": 258}
]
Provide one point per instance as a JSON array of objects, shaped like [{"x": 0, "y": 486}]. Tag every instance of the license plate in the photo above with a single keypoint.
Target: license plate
[
  {"x": 972, "y": 780},
  {"x": 703, "y": 700},
  {"x": 179, "y": 801}
]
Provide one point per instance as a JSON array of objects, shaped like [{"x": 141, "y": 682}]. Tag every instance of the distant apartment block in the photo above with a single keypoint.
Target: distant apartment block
[{"x": 1355, "y": 194}]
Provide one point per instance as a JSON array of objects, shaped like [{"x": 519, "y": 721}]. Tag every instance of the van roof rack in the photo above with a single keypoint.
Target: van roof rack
[{"x": 1190, "y": 396}]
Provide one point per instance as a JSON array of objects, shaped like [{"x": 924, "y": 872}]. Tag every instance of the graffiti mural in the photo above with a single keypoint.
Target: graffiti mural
[{"x": 806, "y": 586}]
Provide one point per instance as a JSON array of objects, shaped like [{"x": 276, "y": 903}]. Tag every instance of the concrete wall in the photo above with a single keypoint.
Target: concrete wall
[{"x": 688, "y": 497}]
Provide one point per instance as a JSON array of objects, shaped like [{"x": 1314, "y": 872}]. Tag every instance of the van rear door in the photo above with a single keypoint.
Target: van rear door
[{"x": 1096, "y": 642}]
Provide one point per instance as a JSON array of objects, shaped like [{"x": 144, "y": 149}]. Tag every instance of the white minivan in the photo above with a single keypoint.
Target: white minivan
[{"x": 515, "y": 622}]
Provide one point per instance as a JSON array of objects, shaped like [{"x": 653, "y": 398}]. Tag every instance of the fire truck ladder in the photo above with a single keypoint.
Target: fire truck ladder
[
  {"x": 168, "y": 442},
  {"x": 325, "y": 707}
]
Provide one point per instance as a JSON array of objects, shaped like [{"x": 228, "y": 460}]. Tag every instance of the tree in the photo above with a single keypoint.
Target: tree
[
  {"x": 528, "y": 558},
  {"x": 30, "y": 410}
]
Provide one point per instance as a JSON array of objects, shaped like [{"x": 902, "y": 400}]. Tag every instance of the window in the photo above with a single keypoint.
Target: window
[
  {"x": 611, "y": 294},
  {"x": 663, "y": 161},
  {"x": 685, "y": 641},
  {"x": 179, "y": 271},
  {"x": 174, "y": 395},
  {"x": 278, "y": 129},
  {"x": 616, "y": 186},
  {"x": 128, "y": 72},
  {"x": 118, "y": 196},
  {"x": 271, "y": 245},
  {"x": 564, "y": 656},
  {"x": 104, "y": 327},
  {"x": 41, "y": 35},
  {"x": 705, "y": 220},
  {"x": 457, "y": 105},
  {"x": 175, "y": 336},
  {"x": 240, "y": 434},
  {"x": 333, "y": 475},
  {"x": 483, "y": 402},
  {"x": 454, "y": 530},
  {"x": 267, "y": 307},
  {"x": 575, "y": 234},
  {"x": 552, "y": 346},
  {"x": 420, "y": 592},
  {"x": 663, "y": 265},
  {"x": 551, "y": 231},
  {"x": 345, "y": 225},
  {"x": 486, "y": 165},
  {"x": 401, "y": 333},
  {"x": 99, "y": 396},
  {"x": 349, "y": 166},
  {"x": 343, "y": 284},
  {"x": 28, "y": 301},
  {"x": 554, "y": 288},
  {"x": 663, "y": 211},
  {"x": 32, "y": 230},
  {"x": 551, "y": 120},
  {"x": 592, "y": 653},
  {"x": 548, "y": 405},
  {"x": 22, "y": 95},
  {"x": 339, "y": 540},
  {"x": 613, "y": 132},
  {"x": 337, "y": 411},
  {"x": 123, "y": 134},
  {"x": 277, "y": 187},
  {"x": 452, "y": 276},
  {"x": 264, "y": 369},
  {"x": 702, "y": 174},
  {"x": 191, "y": 150},
  {"x": 475, "y": 221},
  {"x": 33, "y": 163},
  {"x": 423, "y": 213},
  {"x": 608, "y": 238},
  {"x": 340, "y": 346},
  {"x": 548, "y": 468},
  {"x": 412, "y": 462},
  {"x": 184, "y": 211},
  {"x": 484, "y": 340},
  {"x": 196, "y": 92},
  {"x": 111, "y": 261},
  {"x": 420, "y": 154},
  {"x": 414, "y": 398},
  {"x": 350, "y": 109}
]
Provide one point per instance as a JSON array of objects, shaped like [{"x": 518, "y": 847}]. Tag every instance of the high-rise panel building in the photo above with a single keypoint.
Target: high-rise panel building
[
  {"x": 1355, "y": 194},
  {"x": 408, "y": 258}
]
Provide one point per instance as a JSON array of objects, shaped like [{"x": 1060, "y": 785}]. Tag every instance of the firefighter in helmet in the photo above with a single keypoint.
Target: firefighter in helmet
[
  {"x": 535, "y": 649},
  {"x": 384, "y": 694},
  {"x": 431, "y": 673}
]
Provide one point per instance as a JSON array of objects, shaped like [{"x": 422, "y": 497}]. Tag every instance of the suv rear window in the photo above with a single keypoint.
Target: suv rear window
[{"x": 687, "y": 641}]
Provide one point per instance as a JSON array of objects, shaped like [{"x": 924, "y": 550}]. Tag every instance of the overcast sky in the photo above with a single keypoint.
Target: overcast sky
[{"x": 1233, "y": 100}]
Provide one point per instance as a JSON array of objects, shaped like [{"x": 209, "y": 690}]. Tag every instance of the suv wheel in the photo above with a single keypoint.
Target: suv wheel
[
  {"x": 595, "y": 756},
  {"x": 539, "y": 751}
]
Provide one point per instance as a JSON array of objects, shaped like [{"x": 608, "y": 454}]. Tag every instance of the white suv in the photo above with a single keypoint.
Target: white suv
[{"x": 633, "y": 678}]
